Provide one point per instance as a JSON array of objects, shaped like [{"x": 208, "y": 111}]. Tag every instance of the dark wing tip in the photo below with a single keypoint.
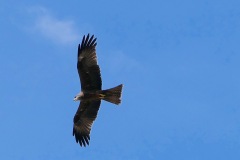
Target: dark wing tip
[
  {"x": 82, "y": 139},
  {"x": 87, "y": 41},
  {"x": 83, "y": 40}
]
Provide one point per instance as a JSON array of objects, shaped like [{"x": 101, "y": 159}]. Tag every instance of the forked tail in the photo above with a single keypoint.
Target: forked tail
[{"x": 113, "y": 95}]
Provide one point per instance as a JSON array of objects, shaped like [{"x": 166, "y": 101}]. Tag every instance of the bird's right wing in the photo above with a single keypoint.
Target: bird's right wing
[{"x": 83, "y": 120}]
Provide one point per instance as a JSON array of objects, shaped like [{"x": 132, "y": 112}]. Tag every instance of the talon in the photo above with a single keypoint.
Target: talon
[{"x": 101, "y": 95}]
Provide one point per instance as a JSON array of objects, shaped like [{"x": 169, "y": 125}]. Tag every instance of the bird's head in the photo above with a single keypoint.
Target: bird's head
[{"x": 78, "y": 97}]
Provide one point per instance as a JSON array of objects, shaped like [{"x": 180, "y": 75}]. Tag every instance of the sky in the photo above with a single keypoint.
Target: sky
[{"x": 178, "y": 61}]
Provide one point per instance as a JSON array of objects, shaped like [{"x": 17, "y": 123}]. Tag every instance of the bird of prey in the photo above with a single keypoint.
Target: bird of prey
[{"x": 91, "y": 90}]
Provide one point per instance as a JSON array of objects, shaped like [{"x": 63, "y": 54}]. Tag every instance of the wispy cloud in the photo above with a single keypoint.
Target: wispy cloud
[{"x": 53, "y": 28}]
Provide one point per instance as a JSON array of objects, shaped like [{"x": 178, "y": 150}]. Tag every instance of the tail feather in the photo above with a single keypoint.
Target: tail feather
[{"x": 113, "y": 95}]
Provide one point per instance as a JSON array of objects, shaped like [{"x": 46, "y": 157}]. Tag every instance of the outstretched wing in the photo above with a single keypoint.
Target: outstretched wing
[
  {"x": 88, "y": 69},
  {"x": 83, "y": 120}
]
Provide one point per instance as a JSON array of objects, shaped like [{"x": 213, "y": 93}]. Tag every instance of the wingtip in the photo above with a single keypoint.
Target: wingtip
[
  {"x": 87, "y": 37},
  {"x": 83, "y": 140}
]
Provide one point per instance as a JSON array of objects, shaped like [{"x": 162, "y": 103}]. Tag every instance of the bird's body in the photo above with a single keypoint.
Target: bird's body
[
  {"x": 91, "y": 91},
  {"x": 87, "y": 96}
]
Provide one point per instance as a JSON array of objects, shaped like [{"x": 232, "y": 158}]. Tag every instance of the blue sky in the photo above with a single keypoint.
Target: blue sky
[{"x": 178, "y": 61}]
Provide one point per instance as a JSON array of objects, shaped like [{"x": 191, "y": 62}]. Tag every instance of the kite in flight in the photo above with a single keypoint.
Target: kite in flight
[{"x": 91, "y": 91}]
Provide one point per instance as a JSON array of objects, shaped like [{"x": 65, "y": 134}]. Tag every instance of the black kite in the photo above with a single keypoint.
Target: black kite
[{"x": 91, "y": 91}]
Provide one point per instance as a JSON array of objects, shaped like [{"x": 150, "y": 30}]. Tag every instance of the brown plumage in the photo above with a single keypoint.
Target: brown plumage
[{"x": 91, "y": 91}]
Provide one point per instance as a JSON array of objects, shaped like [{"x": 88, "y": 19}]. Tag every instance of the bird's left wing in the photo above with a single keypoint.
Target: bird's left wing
[
  {"x": 88, "y": 69},
  {"x": 83, "y": 120}
]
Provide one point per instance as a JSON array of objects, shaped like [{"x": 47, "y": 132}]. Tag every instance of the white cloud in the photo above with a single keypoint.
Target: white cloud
[{"x": 55, "y": 29}]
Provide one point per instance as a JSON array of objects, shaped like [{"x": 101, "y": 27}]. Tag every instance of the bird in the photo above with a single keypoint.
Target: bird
[{"x": 91, "y": 92}]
